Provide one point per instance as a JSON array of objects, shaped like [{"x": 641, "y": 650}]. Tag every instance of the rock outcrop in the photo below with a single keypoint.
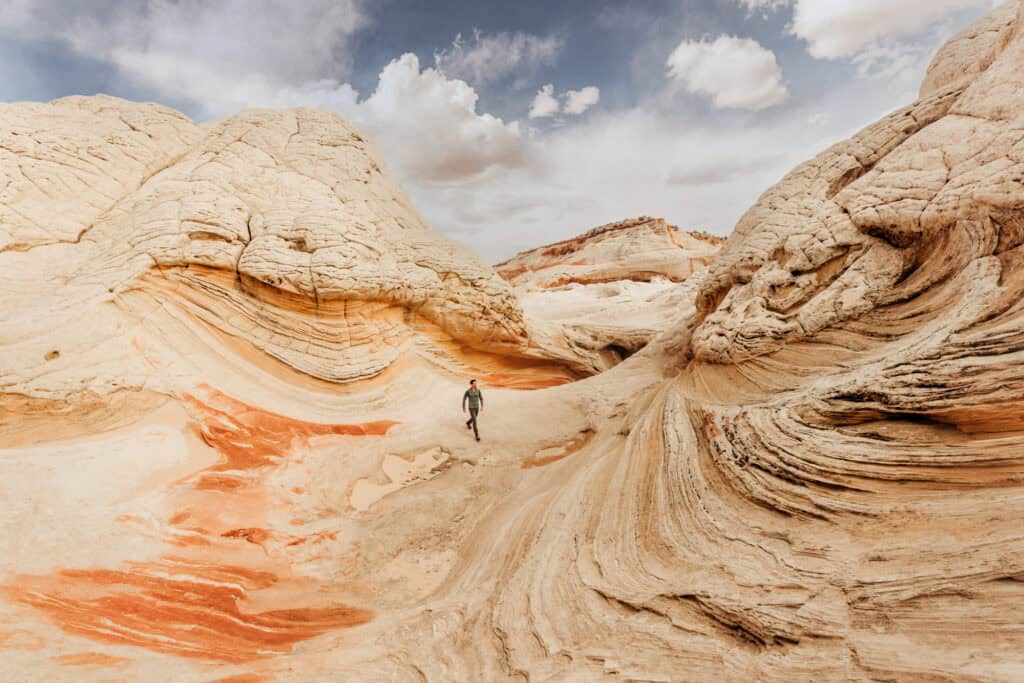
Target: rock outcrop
[
  {"x": 603, "y": 295},
  {"x": 278, "y": 228},
  {"x": 640, "y": 249},
  {"x": 225, "y": 459}
]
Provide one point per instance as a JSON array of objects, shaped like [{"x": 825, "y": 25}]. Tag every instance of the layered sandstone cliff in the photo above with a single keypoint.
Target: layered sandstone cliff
[
  {"x": 640, "y": 249},
  {"x": 604, "y": 294},
  {"x": 232, "y": 450}
]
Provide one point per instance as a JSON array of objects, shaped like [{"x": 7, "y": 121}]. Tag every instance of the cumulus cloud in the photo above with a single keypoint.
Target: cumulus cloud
[
  {"x": 610, "y": 166},
  {"x": 544, "y": 103},
  {"x": 288, "y": 41},
  {"x": 840, "y": 28},
  {"x": 15, "y": 12},
  {"x": 495, "y": 57},
  {"x": 280, "y": 54},
  {"x": 427, "y": 125},
  {"x": 736, "y": 73},
  {"x": 491, "y": 183},
  {"x": 221, "y": 55},
  {"x": 578, "y": 101}
]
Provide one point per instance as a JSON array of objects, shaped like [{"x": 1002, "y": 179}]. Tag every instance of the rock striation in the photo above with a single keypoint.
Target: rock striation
[
  {"x": 231, "y": 448},
  {"x": 279, "y": 228},
  {"x": 603, "y": 295},
  {"x": 638, "y": 250}
]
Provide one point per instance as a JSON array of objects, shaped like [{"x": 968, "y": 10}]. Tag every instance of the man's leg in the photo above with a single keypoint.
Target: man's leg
[{"x": 473, "y": 413}]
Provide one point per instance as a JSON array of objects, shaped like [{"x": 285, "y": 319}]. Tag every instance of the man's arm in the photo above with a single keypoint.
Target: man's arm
[
  {"x": 480, "y": 395},
  {"x": 465, "y": 397}
]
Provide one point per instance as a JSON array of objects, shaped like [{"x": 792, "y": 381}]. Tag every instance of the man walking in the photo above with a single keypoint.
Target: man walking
[{"x": 476, "y": 404}]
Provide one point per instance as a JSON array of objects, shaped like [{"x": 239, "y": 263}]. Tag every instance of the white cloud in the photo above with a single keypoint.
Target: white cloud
[
  {"x": 578, "y": 101},
  {"x": 487, "y": 182},
  {"x": 764, "y": 5},
  {"x": 544, "y": 103},
  {"x": 841, "y": 28},
  {"x": 610, "y": 166},
  {"x": 223, "y": 56},
  {"x": 428, "y": 127},
  {"x": 237, "y": 54},
  {"x": 285, "y": 41},
  {"x": 736, "y": 73},
  {"x": 15, "y": 12},
  {"x": 495, "y": 57},
  {"x": 722, "y": 167}
]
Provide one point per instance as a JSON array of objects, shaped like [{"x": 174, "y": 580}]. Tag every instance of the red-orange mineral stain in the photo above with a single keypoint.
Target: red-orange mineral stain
[
  {"x": 253, "y": 535},
  {"x": 194, "y": 606},
  {"x": 91, "y": 659},
  {"x": 186, "y": 610},
  {"x": 250, "y": 437},
  {"x": 515, "y": 381},
  {"x": 220, "y": 482},
  {"x": 21, "y": 639}
]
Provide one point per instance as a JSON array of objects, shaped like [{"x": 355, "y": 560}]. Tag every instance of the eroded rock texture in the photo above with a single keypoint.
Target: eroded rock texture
[
  {"x": 232, "y": 450},
  {"x": 640, "y": 249},
  {"x": 603, "y": 295}
]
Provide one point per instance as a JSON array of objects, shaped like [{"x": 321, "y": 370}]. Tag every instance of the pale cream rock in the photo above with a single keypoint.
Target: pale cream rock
[
  {"x": 638, "y": 250},
  {"x": 240, "y": 388},
  {"x": 603, "y": 295}
]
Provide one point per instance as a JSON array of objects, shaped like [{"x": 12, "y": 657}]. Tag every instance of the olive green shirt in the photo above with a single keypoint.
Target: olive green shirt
[{"x": 475, "y": 398}]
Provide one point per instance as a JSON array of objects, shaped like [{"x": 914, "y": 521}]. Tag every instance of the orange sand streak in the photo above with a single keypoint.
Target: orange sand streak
[
  {"x": 91, "y": 659},
  {"x": 192, "y": 606},
  {"x": 251, "y": 437},
  {"x": 511, "y": 381},
  {"x": 21, "y": 639},
  {"x": 190, "y": 617}
]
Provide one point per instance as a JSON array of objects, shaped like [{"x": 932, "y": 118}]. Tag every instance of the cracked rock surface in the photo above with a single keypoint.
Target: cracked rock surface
[
  {"x": 232, "y": 446},
  {"x": 606, "y": 293}
]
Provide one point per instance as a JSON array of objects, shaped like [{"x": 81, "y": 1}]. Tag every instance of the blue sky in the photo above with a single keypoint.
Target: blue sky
[{"x": 513, "y": 124}]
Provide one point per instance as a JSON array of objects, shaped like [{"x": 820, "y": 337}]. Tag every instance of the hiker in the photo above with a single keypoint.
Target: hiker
[{"x": 476, "y": 404}]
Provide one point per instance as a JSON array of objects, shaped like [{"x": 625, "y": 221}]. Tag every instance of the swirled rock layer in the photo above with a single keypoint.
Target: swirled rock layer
[{"x": 815, "y": 471}]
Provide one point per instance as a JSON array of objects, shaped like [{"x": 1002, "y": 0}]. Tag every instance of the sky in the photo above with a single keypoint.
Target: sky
[{"x": 515, "y": 124}]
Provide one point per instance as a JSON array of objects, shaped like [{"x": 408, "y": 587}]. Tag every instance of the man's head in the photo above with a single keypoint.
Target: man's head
[{"x": 472, "y": 382}]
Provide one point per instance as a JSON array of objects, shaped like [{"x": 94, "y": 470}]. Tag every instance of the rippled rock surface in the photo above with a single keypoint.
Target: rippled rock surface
[{"x": 232, "y": 362}]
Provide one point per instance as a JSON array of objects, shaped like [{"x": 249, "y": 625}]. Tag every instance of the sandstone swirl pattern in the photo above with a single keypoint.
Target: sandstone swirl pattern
[{"x": 232, "y": 449}]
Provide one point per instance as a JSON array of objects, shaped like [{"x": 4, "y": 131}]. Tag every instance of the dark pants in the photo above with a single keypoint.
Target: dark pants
[{"x": 472, "y": 422}]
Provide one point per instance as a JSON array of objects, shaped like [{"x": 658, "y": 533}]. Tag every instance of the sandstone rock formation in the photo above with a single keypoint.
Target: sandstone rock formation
[
  {"x": 225, "y": 459},
  {"x": 636, "y": 250},
  {"x": 605, "y": 294}
]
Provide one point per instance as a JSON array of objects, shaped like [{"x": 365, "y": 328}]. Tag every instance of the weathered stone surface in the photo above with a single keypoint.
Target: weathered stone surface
[
  {"x": 65, "y": 163},
  {"x": 230, "y": 450},
  {"x": 604, "y": 294},
  {"x": 276, "y": 227},
  {"x": 639, "y": 250},
  {"x": 971, "y": 52}
]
